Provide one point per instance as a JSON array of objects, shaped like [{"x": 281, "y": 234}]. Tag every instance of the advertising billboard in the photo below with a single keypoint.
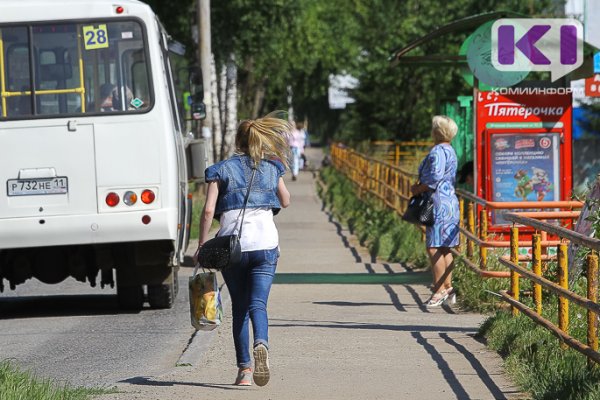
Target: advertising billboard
[
  {"x": 524, "y": 167},
  {"x": 523, "y": 146}
]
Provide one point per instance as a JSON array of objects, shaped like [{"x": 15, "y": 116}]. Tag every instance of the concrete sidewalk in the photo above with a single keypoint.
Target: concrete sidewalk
[{"x": 366, "y": 335}]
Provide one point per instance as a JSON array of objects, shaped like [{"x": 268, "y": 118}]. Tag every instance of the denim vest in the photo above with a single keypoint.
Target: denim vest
[{"x": 234, "y": 175}]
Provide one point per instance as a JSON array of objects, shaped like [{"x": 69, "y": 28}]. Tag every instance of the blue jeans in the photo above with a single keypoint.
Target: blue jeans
[
  {"x": 295, "y": 161},
  {"x": 249, "y": 284}
]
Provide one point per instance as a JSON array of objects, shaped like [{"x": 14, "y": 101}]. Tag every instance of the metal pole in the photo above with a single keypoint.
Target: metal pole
[
  {"x": 514, "y": 257},
  {"x": 204, "y": 40},
  {"x": 592, "y": 295},
  {"x": 483, "y": 235},
  {"x": 396, "y": 188},
  {"x": 537, "y": 269},
  {"x": 563, "y": 281},
  {"x": 470, "y": 228},
  {"x": 461, "y": 221}
]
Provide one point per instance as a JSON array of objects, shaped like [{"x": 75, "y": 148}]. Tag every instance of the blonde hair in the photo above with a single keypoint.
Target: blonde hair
[
  {"x": 443, "y": 128},
  {"x": 264, "y": 138}
]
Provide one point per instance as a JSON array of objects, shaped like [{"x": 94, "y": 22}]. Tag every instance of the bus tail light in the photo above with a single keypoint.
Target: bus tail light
[
  {"x": 130, "y": 198},
  {"x": 148, "y": 196},
  {"x": 112, "y": 199}
]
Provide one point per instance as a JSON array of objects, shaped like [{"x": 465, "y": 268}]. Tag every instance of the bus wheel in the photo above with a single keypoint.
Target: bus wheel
[
  {"x": 163, "y": 295},
  {"x": 130, "y": 292},
  {"x": 130, "y": 297}
]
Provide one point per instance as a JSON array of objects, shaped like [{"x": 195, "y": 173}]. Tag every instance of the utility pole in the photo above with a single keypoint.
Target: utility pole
[{"x": 204, "y": 53}]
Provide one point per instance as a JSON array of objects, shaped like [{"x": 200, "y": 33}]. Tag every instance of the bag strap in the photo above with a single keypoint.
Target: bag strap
[{"x": 243, "y": 210}]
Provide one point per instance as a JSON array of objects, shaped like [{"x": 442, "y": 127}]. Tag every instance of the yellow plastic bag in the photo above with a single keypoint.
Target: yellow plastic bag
[{"x": 206, "y": 308}]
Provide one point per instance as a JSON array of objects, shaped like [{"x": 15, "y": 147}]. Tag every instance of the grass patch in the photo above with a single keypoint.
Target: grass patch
[
  {"x": 16, "y": 384},
  {"x": 382, "y": 232},
  {"x": 198, "y": 199},
  {"x": 534, "y": 360},
  {"x": 476, "y": 293}
]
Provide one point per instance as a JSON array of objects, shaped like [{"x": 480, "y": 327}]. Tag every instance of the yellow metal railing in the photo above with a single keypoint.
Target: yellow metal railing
[
  {"x": 474, "y": 226},
  {"x": 560, "y": 289},
  {"x": 391, "y": 185},
  {"x": 397, "y": 152}
]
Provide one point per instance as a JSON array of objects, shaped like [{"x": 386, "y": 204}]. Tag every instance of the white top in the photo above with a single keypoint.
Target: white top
[
  {"x": 297, "y": 139},
  {"x": 259, "y": 233}
]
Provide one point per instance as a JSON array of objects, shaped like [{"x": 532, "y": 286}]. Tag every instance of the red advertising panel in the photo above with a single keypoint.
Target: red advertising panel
[
  {"x": 523, "y": 146},
  {"x": 592, "y": 86}
]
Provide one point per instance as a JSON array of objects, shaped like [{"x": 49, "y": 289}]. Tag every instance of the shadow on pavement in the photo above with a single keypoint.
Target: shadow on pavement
[
  {"x": 402, "y": 278},
  {"x": 339, "y": 231},
  {"x": 443, "y": 366},
  {"x": 481, "y": 371},
  {"x": 145, "y": 381},
  {"x": 356, "y": 325},
  {"x": 394, "y": 298},
  {"x": 60, "y": 306}
]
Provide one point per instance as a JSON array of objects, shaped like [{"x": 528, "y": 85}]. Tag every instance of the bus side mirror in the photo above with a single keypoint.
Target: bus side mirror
[
  {"x": 196, "y": 84},
  {"x": 197, "y": 106}
]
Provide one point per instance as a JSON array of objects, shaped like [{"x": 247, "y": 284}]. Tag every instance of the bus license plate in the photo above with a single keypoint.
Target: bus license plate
[{"x": 37, "y": 186}]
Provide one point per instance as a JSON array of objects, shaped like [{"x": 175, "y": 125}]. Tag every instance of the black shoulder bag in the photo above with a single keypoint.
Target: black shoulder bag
[
  {"x": 223, "y": 252},
  {"x": 420, "y": 209}
]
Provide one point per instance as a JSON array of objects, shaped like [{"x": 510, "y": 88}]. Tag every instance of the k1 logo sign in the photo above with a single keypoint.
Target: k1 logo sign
[{"x": 541, "y": 44}]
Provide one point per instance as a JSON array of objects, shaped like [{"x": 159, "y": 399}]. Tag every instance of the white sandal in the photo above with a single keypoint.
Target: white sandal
[{"x": 437, "y": 299}]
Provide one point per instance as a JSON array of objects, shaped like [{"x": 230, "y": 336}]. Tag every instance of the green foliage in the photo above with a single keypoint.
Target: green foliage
[
  {"x": 381, "y": 231},
  {"x": 299, "y": 43},
  {"x": 177, "y": 16},
  {"x": 22, "y": 385},
  {"x": 398, "y": 102},
  {"x": 285, "y": 43},
  {"x": 535, "y": 361},
  {"x": 476, "y": 293}
]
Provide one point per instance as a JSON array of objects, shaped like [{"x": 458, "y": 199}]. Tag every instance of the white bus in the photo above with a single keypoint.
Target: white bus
[{"x": 93, "y": 166}]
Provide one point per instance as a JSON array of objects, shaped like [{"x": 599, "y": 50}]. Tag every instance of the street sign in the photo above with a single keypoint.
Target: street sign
[
  {"x": 597, "y": 63},
  {"x": 592, "y": 86}
]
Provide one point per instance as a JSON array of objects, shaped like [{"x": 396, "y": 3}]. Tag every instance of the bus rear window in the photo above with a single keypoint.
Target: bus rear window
[{"x": 51, "y": 70}]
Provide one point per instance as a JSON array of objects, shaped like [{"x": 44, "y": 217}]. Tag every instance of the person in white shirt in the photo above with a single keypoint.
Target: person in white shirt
[
  {"x": 297, "y": 140},
  {"x": 261, "y": 157}
]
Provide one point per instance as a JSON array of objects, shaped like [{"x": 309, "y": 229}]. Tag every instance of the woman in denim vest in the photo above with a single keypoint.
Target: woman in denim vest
[{"x": 260, "y": 144}]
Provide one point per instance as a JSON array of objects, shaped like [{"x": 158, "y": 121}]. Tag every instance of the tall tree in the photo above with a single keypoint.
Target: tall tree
[
  {"x": 397, "y": 103},
  {"x": 270, "y": 45}
]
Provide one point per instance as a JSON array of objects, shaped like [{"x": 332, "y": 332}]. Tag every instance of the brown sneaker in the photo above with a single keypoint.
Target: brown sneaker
[{"x": 261, "y": 365}]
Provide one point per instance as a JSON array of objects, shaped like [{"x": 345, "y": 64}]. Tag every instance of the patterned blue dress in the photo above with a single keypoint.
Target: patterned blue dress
[{"x": 438, "y": 171}]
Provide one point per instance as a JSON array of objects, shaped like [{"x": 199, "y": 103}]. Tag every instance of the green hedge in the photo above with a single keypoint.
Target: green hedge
[{"x": 381, "y": 231}]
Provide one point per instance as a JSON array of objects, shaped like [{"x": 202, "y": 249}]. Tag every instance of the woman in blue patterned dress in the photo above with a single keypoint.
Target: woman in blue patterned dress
[{"x": 437, "y": 173}]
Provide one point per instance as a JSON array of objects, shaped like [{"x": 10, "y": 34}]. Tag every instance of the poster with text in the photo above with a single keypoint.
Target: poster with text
[{"x": 524, "y": 167}]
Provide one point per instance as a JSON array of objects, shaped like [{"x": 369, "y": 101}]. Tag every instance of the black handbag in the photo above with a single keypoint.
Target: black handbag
[
  {"x": 420, "y": 209},
  {"x": 222, "y": 252}
]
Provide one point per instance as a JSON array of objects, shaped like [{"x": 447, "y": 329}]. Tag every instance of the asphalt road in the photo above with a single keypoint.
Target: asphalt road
[{"x": 73, "y": 333}]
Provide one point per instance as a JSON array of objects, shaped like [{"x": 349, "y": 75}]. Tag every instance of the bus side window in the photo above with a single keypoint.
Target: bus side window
[
  {"x": 137, "y": 78},
  {"x": 17, "y": 74}
]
